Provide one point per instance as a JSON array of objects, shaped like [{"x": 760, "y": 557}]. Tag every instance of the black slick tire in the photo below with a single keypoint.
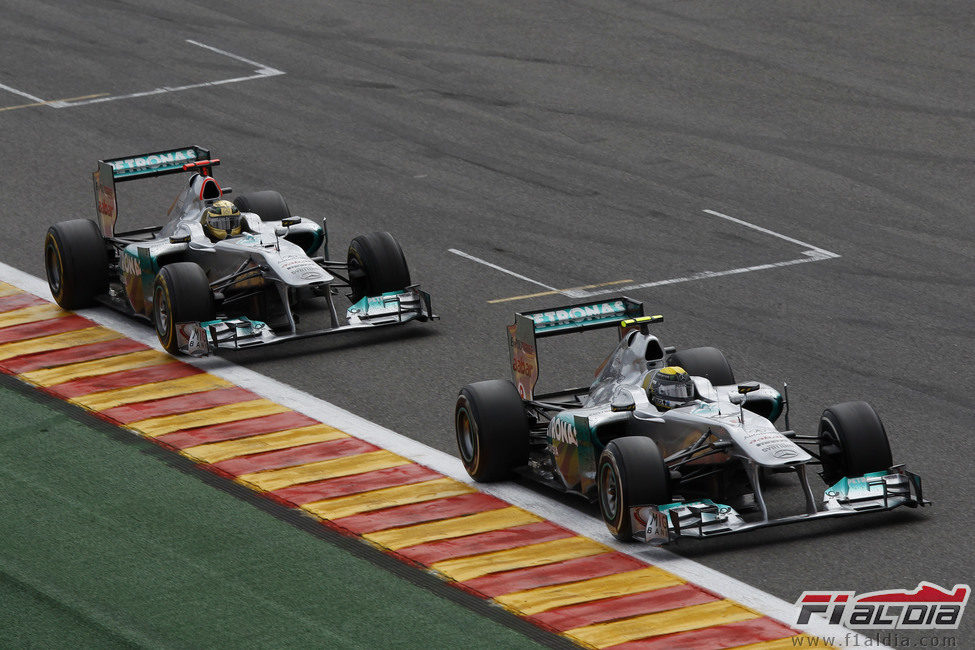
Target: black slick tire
[
  {"x": 631, "y": 472},
  {"x": 376, "y": 265},
  {"x": 492, "y": 429},
  {"x": 76, "y": 263},
  {"x": 852, "y": 441},
  {"x": 704, "y": 362},
  {"x": 267, "y": 204},
  {"x": 180, "y": 294}
]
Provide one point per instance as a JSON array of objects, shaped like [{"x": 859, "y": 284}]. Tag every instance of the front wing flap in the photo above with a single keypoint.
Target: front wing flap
[
  {"x": 876, "y": 491},
  {"x": 391, "y": 308}
]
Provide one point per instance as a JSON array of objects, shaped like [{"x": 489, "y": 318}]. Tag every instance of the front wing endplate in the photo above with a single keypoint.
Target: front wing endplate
[
  {"x": 873, "y": 492},
  {"x": 391, "y": 308}
]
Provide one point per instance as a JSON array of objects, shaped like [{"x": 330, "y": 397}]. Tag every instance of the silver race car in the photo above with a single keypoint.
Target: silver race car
[
  {"x": 222, "y": 274},
  {"x": 666, "y": 440}
]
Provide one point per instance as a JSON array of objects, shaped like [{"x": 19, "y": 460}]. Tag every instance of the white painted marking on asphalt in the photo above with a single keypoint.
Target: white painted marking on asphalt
[
  {"x": 451, "y": 466},
  {"x": 814, "y": 254},
  {"x": 826, "y": 254},
  {"x": 501, "y": 268},
  {"x": 261, "y": 72},
  {"x": 23, "y": 94},
  {"x": 704, "y": 275},
  {"x": 157, "y": 91},
  {"x": 260, "y": 66}
]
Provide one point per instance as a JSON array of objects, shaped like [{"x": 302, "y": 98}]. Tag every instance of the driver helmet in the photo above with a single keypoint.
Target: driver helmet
[
  {"x": 670, "y": 387},
  {"x": 221, "y": 219}
]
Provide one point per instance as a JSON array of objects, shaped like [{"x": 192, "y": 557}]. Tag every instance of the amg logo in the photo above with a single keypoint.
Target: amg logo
[
  {"x": 563, "y": 431},
  {"x": 929, "y": 607}
]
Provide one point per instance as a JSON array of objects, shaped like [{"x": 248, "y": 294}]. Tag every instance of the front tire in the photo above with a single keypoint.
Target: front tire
[
  {"x": 704, "y": 362},
  {"x": 76, "y": 263},
  {"x": 376, "y": 265},
  {"x": 852, "y": 441},
  {"x": 180, "y": 294},
  {"x": 631, "y": 472},
  {"x": 492, "y": 429}
]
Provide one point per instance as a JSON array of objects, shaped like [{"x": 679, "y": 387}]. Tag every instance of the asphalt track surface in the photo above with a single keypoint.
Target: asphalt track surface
[{"x": 575, "y": 144}]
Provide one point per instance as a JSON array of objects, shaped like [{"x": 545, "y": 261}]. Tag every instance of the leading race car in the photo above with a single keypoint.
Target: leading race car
[
  {"x": 666, "y": 440},
  {"x": 222, "y": 274}
]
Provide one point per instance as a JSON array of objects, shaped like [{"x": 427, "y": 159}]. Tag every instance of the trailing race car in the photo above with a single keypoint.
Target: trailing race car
[
  {"x": 222, "y": 274},
  {"x": 666, "y": 440}
]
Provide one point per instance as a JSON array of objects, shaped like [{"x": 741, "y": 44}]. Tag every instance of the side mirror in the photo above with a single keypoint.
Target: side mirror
[
  {"x": 290, "y": 221},
  {"x": 622, "y": 402},
  {"x": 179, "y": 239},
  {"x": 739, "y": 399}
]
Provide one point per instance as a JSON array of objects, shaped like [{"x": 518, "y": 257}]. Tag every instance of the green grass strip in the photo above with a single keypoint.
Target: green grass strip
[{"x": 104, "y": 544}]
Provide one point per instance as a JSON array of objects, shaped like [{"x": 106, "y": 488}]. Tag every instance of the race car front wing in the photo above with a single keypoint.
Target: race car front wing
[
  {"x": 392, "y": 308},
  {"x": 876, "y": 491}
]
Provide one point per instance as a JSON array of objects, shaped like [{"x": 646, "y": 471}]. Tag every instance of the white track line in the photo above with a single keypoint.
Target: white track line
[
  {"x": 502, "y": 269},
  {"x": 261, "y": 72},
  {"x": 157, "y": 91},
  {"x": 23, "y": 94},
  {"x": 260, "y": 66},
  {"x": 825, "y": 253},
  {"x": 451, "y": 466},
  {"x": 813, "y": 254}
]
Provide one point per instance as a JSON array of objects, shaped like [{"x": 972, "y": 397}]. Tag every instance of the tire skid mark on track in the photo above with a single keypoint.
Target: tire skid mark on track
[{"x": 560, "y": 580}]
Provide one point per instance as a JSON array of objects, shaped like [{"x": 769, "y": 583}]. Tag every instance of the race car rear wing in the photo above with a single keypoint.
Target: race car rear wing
[
  {"x": 144, "y": 165},
  {"x": 582, "y": 317}
]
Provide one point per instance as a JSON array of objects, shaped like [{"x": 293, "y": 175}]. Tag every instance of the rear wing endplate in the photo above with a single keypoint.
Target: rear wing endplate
[
  {"x": 145, "y": 165},
  {"x": 582, "y": 317}
]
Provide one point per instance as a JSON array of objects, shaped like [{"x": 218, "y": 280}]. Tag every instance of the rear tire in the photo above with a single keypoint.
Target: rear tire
[
  {"x": 376, "y": 265},
  {"x": 852, "y": 441},
  {"x": 267, "y": 204},
  {"x": 180, "y": 294},
  {"x": 631, "y": 472},
  {"x": 76, "y": 263},
  {"x": 704, "y": 362},
  {"x": 492, "y": 429}
]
